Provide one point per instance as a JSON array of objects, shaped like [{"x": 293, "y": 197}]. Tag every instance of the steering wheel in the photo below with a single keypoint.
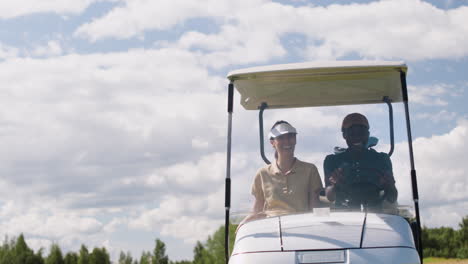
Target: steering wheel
[{"x": 361, "y": 187}]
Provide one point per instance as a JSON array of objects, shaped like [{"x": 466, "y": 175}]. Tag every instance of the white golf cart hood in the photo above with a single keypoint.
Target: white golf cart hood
[{"x": 344, "y": 230}]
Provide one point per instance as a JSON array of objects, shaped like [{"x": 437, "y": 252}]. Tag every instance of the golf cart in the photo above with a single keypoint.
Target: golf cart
[{"x": 324, "y": 235}]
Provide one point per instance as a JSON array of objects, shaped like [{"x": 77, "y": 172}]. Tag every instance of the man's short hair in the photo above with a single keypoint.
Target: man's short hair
[{"x": 354, "y": 119}]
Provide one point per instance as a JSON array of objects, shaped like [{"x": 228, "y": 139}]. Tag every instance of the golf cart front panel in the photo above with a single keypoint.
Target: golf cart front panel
[
  {"x": 345, "y": 256},
  {"x": 258, "y": 236},
  {"x": 382, "y": 230},
  {"x": 339, "y": 237},
  {"x": 312, "y": 232}
]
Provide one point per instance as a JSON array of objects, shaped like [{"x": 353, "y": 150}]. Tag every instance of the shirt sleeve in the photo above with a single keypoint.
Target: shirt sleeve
[
  {"x": 316, "y": 181},
  {"x": 388, "y": 165},
  {"x": 257, "y": 188},
  {"x": 327, "y": 169}
]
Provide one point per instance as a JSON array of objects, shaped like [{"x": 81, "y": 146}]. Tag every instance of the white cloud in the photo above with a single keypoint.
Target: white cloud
[
  {"x": 193, "y": 210},
  {"x": 200, "y": 143},
  {"x": 11, "y": 9},
  {"x": 38, "y": 243},
  {"x": 237, "y": 45},
  {"x": 209, "y": 169},
  {"x": 412, "y": 30},
  {"x": 53, "y": 48},
  {"x": 77, "y": 117},
  {"x": 441, "y": 116},
  {"x": 82, "y": 132},
  {"x": 187, "y": 217},
  {"x": 106, "y": 97},
  {"x": 431, "y": 94},
  {"x": 114, "y": 224},
  {"x": 136, "y": 16},
  {"x": 440, "y": 165},
  {"x": 444, "y": 215},
  {"x": 45, "y": 218},
  {"x": 191, "y": 229},
  {"x": 7, "y": 52}
]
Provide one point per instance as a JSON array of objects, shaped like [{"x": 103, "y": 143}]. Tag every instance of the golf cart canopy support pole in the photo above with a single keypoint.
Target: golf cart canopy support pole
[
  {"x": 227, "y": 198},
  {"x": 263, "y": 106},
  {"x": 414, "y": 183},
  {"x": 387, "y": 100}
]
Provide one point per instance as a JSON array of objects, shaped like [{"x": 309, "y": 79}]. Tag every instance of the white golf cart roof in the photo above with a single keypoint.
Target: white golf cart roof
[{"x": 319, "y": 83}]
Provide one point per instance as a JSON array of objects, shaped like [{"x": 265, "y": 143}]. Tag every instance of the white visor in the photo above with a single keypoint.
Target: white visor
[{"x": 281, "y": 129}]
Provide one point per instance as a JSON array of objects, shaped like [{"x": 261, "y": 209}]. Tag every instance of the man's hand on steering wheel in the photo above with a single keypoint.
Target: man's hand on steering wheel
[
  {"x": 386, "y": 180},
  {"x": 388, "y": 184},
  {"x": 336, "y": 177}
]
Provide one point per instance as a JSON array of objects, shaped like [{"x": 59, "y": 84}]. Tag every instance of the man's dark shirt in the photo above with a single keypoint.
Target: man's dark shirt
[{"x": 368, "y": 167}]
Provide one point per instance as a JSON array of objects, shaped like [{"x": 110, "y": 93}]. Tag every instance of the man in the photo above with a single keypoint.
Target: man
[{"x": 359, "y": 176}]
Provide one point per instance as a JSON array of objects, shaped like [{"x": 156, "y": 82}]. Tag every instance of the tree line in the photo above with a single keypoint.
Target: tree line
[
  {"x": 446, "y": 242},
  {"x": 438, "y": 242},
  {"x": 16, "y": 251}
]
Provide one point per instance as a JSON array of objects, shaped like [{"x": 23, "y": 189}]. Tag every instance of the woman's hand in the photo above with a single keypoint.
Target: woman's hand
[{"x": 251, "y": 217}]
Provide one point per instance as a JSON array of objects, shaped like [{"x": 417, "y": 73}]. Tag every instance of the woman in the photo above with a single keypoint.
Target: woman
[{"x": 288, "y": 185}]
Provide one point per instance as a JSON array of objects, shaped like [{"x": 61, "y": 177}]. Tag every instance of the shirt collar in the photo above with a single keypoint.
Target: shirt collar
[
  {"x": 350, "y": 156},
  {"x": 276, "y": 169}
]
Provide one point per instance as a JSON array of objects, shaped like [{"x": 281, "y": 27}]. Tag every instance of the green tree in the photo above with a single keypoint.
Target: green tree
[
  {"x": 200, "y": 255},
  {"x": 145, "y": 258},
  {"x": 83, "y": 257},
  {"x": 38, "y": 259},
  {"x": 212, "y": 251},
  {"x": 21, "y": 252},
  {"x": 71, "y": 258},
  {"x": 6, "y": 251},
  {"x": 55, "y": 255},
  {"x": 16, "y": 250},
  {"x": 462, "y": 251},
  {"x": 436, "y": 240},
  {"x": 446, "y": 242},
  {"x": 99, "y": 256},
  {"x": 125, "y": 258},
  {"x": 215, "y": 244},
  {"x": 464, "y": 230},
  {"x": 159, "y": 253}
]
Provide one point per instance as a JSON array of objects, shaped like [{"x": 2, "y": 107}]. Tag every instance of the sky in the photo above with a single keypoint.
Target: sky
[{"x": 113, "y": 112}]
